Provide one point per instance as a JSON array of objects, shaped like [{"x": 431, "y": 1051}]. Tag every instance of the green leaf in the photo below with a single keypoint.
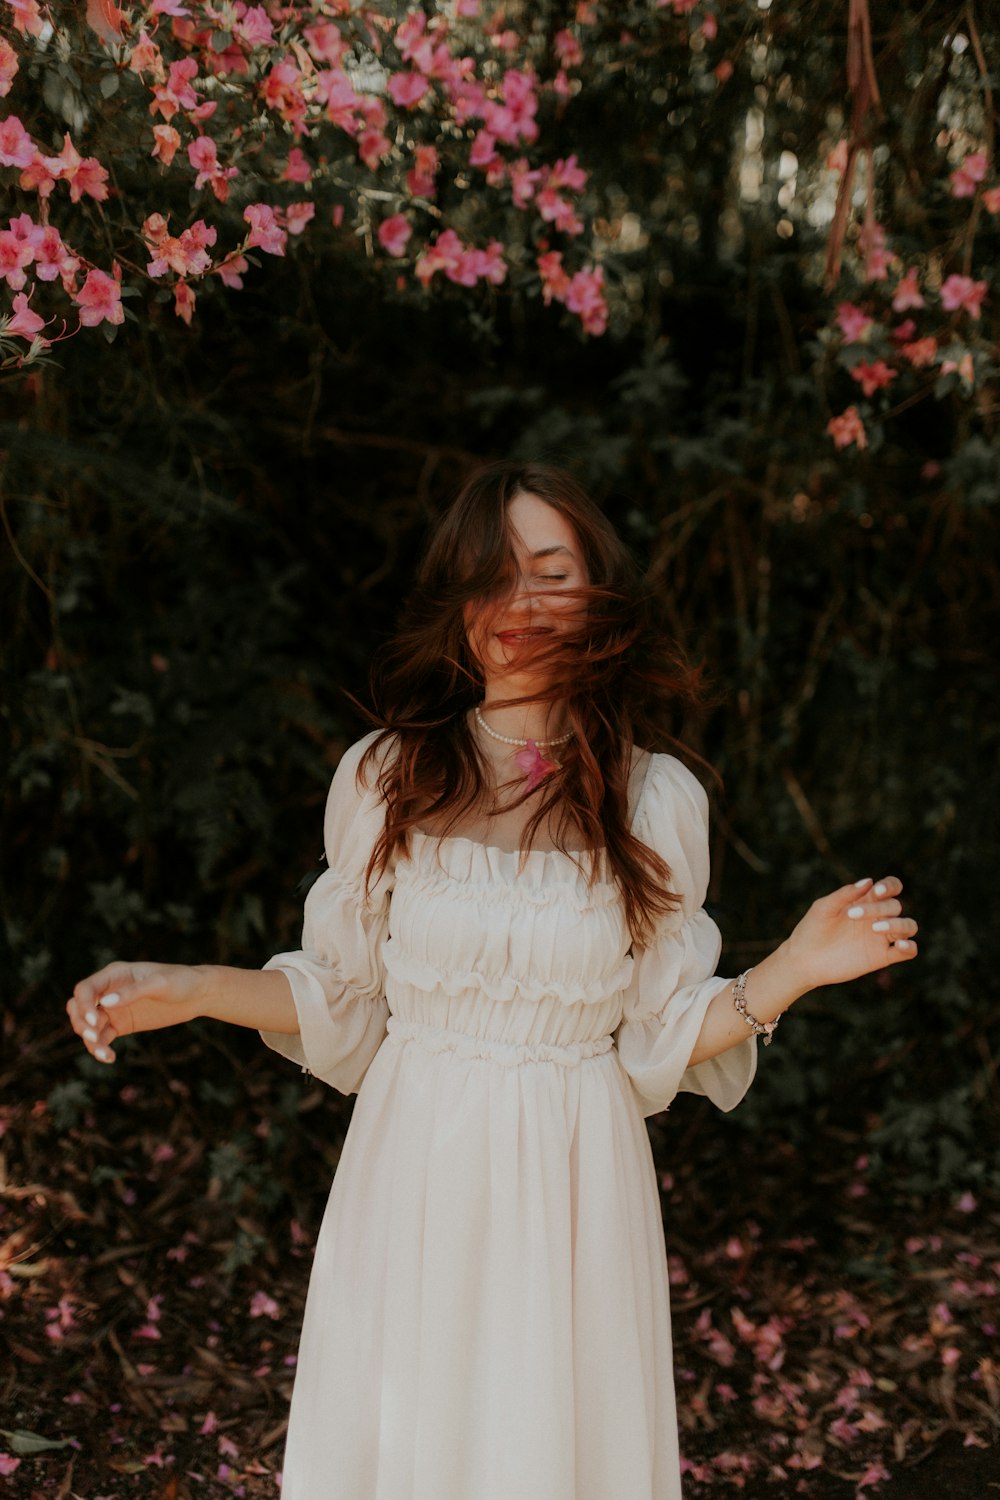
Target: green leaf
[{"x": 24, "y": 1443}]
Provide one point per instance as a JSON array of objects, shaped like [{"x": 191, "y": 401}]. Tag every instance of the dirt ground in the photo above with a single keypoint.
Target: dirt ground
[{"x": 155, "y": 1245}]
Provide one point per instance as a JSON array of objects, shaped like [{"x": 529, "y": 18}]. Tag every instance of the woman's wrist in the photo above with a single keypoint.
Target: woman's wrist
[
  {"x": 777, "y": 982},
  {"x": 201, "y": 991}
]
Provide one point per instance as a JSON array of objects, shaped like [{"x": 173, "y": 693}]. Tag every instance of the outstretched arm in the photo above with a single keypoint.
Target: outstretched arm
[
  {"x": 122, "y": 998},
  {"x": 856, "y": 930}
]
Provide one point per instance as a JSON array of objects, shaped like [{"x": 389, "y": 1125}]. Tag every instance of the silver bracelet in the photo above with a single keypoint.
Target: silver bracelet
[{"x": 766, "y": 1029}]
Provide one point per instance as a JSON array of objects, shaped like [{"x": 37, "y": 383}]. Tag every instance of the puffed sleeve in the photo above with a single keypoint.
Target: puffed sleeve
[
  {"x": 337, "y": 976},
  {"x": 673, "y": 978}
]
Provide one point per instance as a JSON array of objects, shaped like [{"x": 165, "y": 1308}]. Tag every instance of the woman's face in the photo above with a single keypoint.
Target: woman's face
[{"x": 542, "y": 602}]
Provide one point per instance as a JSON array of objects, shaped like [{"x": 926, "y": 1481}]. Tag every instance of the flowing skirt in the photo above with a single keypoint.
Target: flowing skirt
[{"x": 488, "y": 1314}]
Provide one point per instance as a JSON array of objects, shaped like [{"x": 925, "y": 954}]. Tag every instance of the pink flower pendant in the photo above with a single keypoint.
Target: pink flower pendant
[{"x": 532, "y": 762}]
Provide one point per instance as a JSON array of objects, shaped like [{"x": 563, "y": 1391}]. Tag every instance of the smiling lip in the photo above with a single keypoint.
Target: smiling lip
[{"x": 521, "y": 635}]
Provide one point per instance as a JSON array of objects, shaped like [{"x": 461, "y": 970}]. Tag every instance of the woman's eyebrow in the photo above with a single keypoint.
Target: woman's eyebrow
[{"x": 550, "y": 551}]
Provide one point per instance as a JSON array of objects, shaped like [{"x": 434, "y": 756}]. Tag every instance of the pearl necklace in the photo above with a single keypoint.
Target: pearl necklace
[{"x": 506, "y": 739}]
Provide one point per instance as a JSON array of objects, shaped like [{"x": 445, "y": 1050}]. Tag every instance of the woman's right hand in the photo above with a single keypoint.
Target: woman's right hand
[{"x": 122, "y": 998}]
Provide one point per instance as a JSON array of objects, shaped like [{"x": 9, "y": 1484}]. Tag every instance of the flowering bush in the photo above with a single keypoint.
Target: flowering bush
[
  {"x": 564, "y": 151},
  {"x": 220, "y": 129}
]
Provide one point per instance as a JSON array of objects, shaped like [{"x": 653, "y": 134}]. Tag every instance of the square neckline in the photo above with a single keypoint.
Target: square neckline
[{"x": 459, "y": 838}]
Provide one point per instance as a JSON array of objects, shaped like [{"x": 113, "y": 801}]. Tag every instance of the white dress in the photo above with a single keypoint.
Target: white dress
[{"x": 488, "y": 1314}]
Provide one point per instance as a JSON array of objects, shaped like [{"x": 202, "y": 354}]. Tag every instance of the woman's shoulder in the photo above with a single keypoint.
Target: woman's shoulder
[
  {"x": 358, "y": 764},
  {"x": 659, "y": 781}
]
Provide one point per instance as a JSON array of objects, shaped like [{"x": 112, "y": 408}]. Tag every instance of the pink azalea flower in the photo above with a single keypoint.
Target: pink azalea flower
[
  {"x": 921, "y": 352},
  {"x": 203, "y": 155},
  {"x": 254, "y": 27},
  {"x": 373, "y": 147},
  {"x": 585, "y": 297},
  {"x": 27, "y": 16},
  {"x": 483, "y": 152},
  {"x": 187, "y": 254},
  {"x": 154, "y": 229},
  {"x": 534, "y": 766},
  {"x": 490, "y": 263},
  {"x": 263, "y": 1306},
  {"x": 297, "y": 168},
  {"x": 410, "y": 32},
  {"x": 523, "y": 182},
  {"x": 335, "y": 91},
  {"x": 962, "y": 292},
  {"x": 167, "y": 142},
  {"x": 15, "y": 254},
  {"x": 873, "y": 377},
  {"x": 966, "y": 178},
  {"x": 42, "y": 175},
  {"x": 298, "y": 215},
  {"x": 567, "y": 173},
  {"x": 877, "y": 258},
  {"x": 265, "y": 231},
  {"x": 8, "y": 66},
  {"x": 557, "y": 210},
  {"x": 8, "y": 1464},
  {"x": 848, "y": 428},
  {"x": 53, "y": 258},
  {"x": 145, "y": 56},
  {"x": 184, "y": 300},
  {"x": 904, "y": 331},
  {"x": 283, "y": 91},
  {"x": 555, "y": 281},
  {"x": 177, "y": 92},
  {"x": 16, "y": 146},
  {"x": 168, "y": 8},
  {"x": 444, "y": 254},
  {"x": 394, "y": 233},
  {"x": 852, "y": 322},
  {"x": 519, "y": 89},
  {"x": 468, "y": 100},
  {"x": 567, "y": 49},
  {"x": 907, "y": 293},
  {"x": 231, "y": 270},
  {"x": 991, "y": 200},
  {"x": 420, "y": 177},
  {"x": 325, "y": 42},
  {"x": 407, "y": 89}
]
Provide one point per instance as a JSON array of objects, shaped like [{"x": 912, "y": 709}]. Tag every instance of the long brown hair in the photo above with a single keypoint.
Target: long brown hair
[{"x": 619, "y": 677}]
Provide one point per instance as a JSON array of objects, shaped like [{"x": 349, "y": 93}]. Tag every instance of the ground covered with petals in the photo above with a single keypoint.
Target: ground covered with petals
[{"x": 833, "y": 1338}]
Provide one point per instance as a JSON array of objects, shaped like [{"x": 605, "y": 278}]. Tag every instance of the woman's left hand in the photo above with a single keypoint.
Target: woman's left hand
[{"x": 856, "y": 930}]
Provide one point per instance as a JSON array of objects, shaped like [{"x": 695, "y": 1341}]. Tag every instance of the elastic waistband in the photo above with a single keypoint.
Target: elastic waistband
[{"x": 507, "y": 1054}]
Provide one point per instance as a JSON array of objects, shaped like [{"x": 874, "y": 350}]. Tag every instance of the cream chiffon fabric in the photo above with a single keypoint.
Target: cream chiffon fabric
[{"x": 488, "y": 1314}]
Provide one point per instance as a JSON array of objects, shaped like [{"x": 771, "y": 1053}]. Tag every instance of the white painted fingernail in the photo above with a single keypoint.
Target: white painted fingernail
[
  {"x": 89, "y": 1035},
  {"x": 855, "y": 911},
  {"x": 111, "y": 998},
  {"x": 880, "y": 927},
  {"x": 91, "y": 1018},
  {"x": 881, "y": 888},
  {"x": 860, "y": 884},
  {"x": 903, "y": 943},
  {"x": 102, "y": 1054}
]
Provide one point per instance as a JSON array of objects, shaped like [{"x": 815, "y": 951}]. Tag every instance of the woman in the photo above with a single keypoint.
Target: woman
[{"x": 508, "y": 958}]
